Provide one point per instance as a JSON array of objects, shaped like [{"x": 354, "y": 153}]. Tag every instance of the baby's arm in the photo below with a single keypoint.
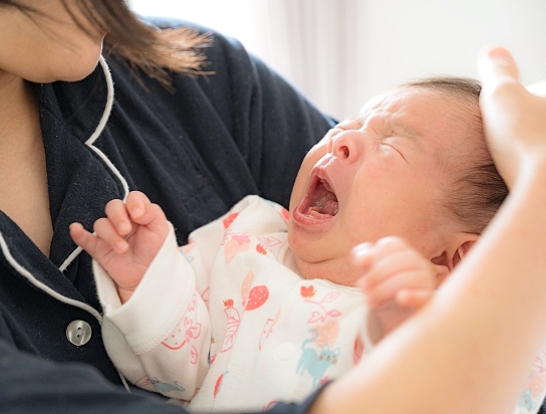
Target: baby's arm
[
  {"x": 126, "y": 240},
  {"x": 165, "y": 323},
  {"x": 399, "y": 281}
]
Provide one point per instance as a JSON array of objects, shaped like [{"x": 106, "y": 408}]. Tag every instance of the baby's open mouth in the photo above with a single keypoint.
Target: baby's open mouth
[{"x": 322, "y": 200}]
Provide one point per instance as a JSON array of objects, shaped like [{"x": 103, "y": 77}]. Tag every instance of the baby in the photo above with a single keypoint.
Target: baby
[{"x": 262, "y": 304}]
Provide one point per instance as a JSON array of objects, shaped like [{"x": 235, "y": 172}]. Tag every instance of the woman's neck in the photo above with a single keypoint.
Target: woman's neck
[
  {"x": 23, "y": 179},
  {"x": 19, "y": 123}
]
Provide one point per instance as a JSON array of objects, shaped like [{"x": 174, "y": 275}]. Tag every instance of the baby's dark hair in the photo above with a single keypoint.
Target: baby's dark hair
[{"x": 477, "y": 190}]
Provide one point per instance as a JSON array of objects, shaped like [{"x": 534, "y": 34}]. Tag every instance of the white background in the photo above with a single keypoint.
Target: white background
[{"x": 342, "y": 52}]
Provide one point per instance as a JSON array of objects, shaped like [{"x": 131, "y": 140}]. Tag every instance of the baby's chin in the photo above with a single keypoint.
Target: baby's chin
[{"x": 340, "y": 271}]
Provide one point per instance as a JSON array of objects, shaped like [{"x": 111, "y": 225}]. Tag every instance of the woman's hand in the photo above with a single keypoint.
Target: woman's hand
[{"x": 514, "y": 118}]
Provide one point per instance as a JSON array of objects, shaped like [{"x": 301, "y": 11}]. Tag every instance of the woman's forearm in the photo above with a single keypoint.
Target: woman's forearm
[{"x": 471, "y": 348}]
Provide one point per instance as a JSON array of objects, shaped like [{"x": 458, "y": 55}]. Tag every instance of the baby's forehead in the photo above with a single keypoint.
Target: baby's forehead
[
  {"x": 419, "y": 105},
  {"x": 401, "y": 96}
]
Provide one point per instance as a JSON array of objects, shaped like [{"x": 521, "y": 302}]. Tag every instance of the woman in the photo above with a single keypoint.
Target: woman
[{"x": 193, "y": 143}]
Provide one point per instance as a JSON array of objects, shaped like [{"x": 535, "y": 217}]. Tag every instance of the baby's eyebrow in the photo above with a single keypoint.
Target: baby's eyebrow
[
  {"x": 406, "y": 131},
  {"x": 402, "y": 125}
]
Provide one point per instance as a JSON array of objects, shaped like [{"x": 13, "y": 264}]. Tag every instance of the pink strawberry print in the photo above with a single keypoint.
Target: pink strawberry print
[
  {"x": 247, "y": 284},
  {"x": 327, "y": 333},
  {"x": 229, "y": 219},
  {"x": 256, "y": 297},
  {"x": 235, "y": 244}
]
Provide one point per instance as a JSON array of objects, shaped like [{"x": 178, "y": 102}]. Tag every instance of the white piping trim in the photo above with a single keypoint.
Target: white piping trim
[
  {"x": 24, "y": 272},
  {"x": 70, "y": 258},
  {"x": 102, "y": 123},
  {"x": 91, "y": 140},
  {"x": 42, "y": 286},
  {"x": 109, "y": 102},
  {"x": 124, "y": 382}
]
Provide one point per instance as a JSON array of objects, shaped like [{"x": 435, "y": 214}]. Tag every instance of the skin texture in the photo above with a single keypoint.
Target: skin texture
[
  {"x": 451, "y": 348},
  {"x": 451, "y": 351},
  {"x": 54, "y": 49},
  {"x": 389, "y": 169},
  {"x": 127, "y": 240}
]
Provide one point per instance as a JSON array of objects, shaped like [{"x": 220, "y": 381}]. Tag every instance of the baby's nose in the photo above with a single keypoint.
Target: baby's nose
[{"x": 347, "y": 145}]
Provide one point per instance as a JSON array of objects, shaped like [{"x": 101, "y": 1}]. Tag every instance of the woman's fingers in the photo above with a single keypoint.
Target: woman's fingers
[
  {"x": 495, "y": 65},
  {"x": 513, "y": 117},
  {"x": 537, "y": 88}
]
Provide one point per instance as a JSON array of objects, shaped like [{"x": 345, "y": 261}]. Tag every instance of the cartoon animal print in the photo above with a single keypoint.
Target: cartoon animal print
[
  {"x": 186, "y": 331},
  {"x": 526, "y": 401},
  {"x": 186, "y": 251},
  {"x": 316, "y": 363},
  {"x": 166, "y": 387}
]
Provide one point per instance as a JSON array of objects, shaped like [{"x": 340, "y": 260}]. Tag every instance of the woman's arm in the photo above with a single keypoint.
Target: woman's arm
[{"x": 470, "y": 349}]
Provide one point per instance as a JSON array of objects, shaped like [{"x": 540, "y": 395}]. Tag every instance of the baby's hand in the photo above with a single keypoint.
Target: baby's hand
[
  {"x": 397, "y": 280},
  {"x": 125, "y": 241}
]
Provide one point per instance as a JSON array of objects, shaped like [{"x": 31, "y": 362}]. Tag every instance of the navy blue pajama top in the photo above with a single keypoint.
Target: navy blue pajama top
[{"x": 195, "y": 151}]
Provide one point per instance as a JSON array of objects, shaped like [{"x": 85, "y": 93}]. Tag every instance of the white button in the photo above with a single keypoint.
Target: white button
[
  {"x": 286, "y": 351},
  {"x": 78, "y": 332}
]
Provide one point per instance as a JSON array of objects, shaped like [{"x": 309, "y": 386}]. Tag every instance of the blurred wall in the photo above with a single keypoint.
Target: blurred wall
[{"x": 342, "y": 52}]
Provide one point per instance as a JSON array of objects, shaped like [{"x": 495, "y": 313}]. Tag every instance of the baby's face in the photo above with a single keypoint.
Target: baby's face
[{"x": 382, "y": 173}]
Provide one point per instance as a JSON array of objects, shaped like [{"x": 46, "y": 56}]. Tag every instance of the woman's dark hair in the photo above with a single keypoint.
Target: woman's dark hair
[
  {"x": 142, "y": 46},
  {"x": 477, "y": 190}
]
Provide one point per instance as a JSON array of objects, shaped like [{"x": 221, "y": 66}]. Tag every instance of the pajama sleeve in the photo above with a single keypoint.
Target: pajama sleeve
[{"x": 160, "y": 338}]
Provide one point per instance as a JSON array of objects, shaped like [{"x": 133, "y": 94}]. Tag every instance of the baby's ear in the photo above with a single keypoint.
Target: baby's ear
[
  {"x": 446, "y": 262},
  {"x": 464, "y": 248}
]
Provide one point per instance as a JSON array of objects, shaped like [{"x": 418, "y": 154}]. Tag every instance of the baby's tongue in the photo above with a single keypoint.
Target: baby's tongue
[{"x": 324, "y": 202}]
